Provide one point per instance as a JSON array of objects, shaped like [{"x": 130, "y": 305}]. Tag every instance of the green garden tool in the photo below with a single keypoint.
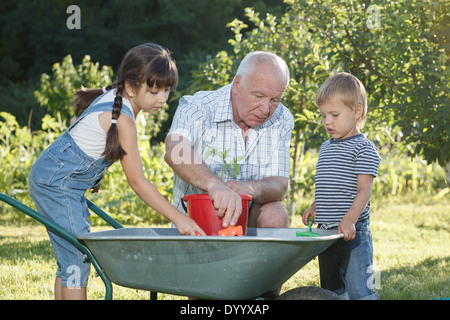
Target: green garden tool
[{"x": 308, "y": 233}]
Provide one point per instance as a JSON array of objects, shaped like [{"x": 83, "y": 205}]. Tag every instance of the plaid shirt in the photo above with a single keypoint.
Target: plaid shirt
[{"x": 206, "y": 119}]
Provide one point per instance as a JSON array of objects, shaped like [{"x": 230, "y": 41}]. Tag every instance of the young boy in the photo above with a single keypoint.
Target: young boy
[{"x": 347, "y": 164}]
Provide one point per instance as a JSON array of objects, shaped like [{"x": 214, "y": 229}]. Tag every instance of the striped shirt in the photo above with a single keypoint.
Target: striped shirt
[
  {"x": 340, "y": 162},
  {"x": 206, "y": 119}
]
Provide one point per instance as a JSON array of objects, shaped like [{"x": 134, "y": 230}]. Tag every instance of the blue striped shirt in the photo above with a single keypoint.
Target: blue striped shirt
[{"x": 340, "y": 162}]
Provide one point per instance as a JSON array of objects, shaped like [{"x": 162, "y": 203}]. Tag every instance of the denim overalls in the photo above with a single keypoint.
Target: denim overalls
[{"x": 57, "y": 182}]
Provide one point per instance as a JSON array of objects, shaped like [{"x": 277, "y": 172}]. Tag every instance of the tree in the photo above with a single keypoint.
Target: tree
[
  {"x": 392, "y": 48},
  {"x": 56, "y": 90},
  {"x": 399, "y": 50}
]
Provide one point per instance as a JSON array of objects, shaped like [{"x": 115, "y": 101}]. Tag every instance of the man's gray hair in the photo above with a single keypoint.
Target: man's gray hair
[{"x": 252, "y": 59}]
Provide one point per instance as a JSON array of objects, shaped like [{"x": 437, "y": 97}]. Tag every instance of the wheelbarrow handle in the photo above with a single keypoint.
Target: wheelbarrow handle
[
  {"x": 63, "y": 233},
  {"x": 40, "y": 218},
  {"x": 102, "y": 214}
]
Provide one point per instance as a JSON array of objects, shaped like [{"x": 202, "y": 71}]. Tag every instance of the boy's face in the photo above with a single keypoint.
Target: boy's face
[{"x": 339, "y": 120}]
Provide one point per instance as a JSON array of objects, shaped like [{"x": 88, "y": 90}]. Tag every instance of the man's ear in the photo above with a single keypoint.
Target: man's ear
[{"x": 236, "y": 82}]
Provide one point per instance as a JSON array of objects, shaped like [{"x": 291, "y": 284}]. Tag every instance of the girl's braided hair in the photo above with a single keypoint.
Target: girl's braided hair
[{"x": 149, "y": 63}]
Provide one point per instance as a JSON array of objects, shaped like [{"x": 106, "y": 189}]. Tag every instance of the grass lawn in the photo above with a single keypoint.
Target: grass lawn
[{"x": 411, "y": 254}]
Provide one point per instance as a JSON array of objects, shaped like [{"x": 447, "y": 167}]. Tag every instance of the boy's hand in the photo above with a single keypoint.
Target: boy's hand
[
  {"x": 347, "y": 227},
  {"x": 310, "y": 212}
]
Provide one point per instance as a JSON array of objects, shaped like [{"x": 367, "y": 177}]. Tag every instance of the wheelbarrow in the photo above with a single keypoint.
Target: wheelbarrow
[{"x": 204, "y": 267}]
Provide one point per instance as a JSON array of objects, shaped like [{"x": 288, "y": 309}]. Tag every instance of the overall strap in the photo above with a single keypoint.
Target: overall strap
[{"x": 97, "y": 106}]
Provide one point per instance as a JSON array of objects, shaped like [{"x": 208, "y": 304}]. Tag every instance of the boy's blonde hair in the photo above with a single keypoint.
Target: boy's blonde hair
[{"x": 346, "y": 88}]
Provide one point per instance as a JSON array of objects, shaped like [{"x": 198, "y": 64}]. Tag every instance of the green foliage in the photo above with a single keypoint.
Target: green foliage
[
  {"x": 398, "y": 50},
  {"x": 401, "y": 61},
  {"x": 393, "y": 49},
  {"x": 34, "y": 36},
  {"x": 18, "y": 99},
  {"x": 56, "y": 91},
  {"x": 399, "y": 174},
  {"x": 19, "y": 148}
]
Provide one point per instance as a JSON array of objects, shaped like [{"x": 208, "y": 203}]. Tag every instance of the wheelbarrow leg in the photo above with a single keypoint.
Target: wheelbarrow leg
[
  {"x": 102, "y": 275},
  {"x": 108, "y": 293}
]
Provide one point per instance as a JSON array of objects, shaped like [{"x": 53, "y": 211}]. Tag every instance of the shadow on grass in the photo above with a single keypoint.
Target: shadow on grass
[{"x": 429, "y": 279}]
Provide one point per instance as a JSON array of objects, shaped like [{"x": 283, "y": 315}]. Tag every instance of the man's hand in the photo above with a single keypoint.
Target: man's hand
[
  {"x": 227, "y": 203},
  {"x": 241, "y": 187}
]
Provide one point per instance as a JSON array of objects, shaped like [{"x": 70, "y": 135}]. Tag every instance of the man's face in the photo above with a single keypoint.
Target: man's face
[{"x": 256, "y": 98}]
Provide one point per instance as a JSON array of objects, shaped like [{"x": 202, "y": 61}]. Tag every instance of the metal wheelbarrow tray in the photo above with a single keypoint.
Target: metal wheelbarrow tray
[{"x": 205, "y": 267}]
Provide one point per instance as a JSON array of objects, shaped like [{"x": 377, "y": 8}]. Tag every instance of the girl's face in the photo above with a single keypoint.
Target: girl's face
[
  {"x": 148, "y": 99},
  {"x": 339, "y": 120}
]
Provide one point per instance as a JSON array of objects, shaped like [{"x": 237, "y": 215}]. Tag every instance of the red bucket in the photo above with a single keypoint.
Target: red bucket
[{"x": 201, "y": 209}]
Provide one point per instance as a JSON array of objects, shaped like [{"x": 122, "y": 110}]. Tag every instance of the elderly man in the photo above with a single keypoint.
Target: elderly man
[{"x": 246, "y": 121}]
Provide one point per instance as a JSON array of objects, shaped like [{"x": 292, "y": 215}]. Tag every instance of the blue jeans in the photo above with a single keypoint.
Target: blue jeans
[
  {"x": 346, "y": 267},
  {"x": 57, "y": 181}
]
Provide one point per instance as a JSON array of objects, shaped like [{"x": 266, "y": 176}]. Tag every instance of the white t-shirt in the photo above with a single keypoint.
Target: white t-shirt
[{"x": 89, "y": 135}]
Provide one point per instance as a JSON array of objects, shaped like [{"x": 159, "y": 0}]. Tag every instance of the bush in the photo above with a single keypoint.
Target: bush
[{"x": 19, "y": 148}]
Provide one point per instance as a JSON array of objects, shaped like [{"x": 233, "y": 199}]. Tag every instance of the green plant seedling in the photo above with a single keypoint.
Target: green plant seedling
[{"x": 231, "y": 168}]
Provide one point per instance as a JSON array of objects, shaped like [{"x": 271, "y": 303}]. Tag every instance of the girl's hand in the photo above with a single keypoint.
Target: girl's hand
[
  {"x": 187, "y": 226},
  {"x": 96, "y": 188},
  {"x": 310, "y": 212}
]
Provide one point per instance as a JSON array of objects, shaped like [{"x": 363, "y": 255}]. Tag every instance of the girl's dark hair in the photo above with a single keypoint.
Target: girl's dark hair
[{"x": 149, "y": 63}]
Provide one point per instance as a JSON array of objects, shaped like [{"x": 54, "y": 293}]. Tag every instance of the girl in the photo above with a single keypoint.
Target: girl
[{"x": 102, "y": 132}]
